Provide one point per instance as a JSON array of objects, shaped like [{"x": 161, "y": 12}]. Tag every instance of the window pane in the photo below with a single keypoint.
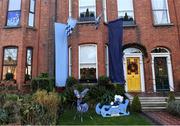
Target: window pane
[
  {"x": 10, "y": 56},
  {"x": 87, "y": 3},
  {"x": 28, "y": 71},
  {"x": 32, "y": 5},
  {"x": 125, "y": 5},
  {"x": 9, "y": 69},
  {"x": 13, "y": 18},
  {"x": 29, "y": 56},
  {"x": 31, "y": 20},
  {"x": 14, "y": 5},
  {"x": 88, "y": 54},
  {"x": 127, "y": 16},
  {"x": 86, "y": 6},
  {"x": 159, "y": 4},
  {"x": 160, "y": 17}
]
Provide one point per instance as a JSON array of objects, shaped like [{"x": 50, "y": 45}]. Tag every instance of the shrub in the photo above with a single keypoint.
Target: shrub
[
  {"x": 171, "y": 97},
  {"x": 173, "y": 107},
  {"x": 69, "y": 96},
  {"x": 42, "y": 82},
  {"x": 9, "y": 76},
  {"x": 136, "y": 105},
  {"x": 3, "y": 116},
  {"x": 71, "y": 81},
  {"x": 51, "y": 102},
  {"x": 119, "y": 89},
  {"x": 103, "y": 81}
]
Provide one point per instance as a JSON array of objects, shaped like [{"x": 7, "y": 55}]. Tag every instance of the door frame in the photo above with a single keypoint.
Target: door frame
[
  {"x": 134, "y": 55},
  {"x": 169, "y": 68}
]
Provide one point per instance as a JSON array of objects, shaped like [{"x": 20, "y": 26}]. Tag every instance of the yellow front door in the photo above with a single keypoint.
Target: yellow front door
[{"x": 133, "y": 74}]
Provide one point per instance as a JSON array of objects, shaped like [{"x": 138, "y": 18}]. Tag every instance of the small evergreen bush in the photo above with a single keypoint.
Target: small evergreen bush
[
  {"x": 71, "y": 81},
  {"x": 42, "y": 82},
  {"x": 136, "y": 105},
  {"x": 173, "y": 107},
  {"x": 171, "y": 97},
  {"x": 103, "y": 81}
]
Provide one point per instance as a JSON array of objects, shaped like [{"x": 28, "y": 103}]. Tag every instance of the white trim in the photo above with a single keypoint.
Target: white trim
[
  {"x": 96, "y": 59},
  {"x": 107, "y": 60},
  {"x": 105, "y": 10},
  {"x": 70, "y": 59},
  {"x": 70, "y": 8},
  {"x": 139, "y": 55},
  {"x": 169, "y": 67}
]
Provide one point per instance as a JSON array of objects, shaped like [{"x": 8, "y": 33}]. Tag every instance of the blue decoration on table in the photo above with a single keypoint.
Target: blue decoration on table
[{"x": 115, "y": 109}]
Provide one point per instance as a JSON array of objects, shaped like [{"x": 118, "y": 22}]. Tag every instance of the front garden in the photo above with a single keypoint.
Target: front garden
[{"x": 44, "y": 106}]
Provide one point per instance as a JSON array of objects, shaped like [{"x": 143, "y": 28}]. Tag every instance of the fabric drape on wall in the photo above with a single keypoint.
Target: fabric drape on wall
[{"x": 116, "y": 72}]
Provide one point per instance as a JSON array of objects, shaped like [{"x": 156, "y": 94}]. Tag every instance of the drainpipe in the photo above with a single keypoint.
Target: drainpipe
[
  {"x": 38, "y": 39},
  {"x": 178, "y": 23},
  {"x": 70, "y": 8},
  {"x": 104, "y": 10}
]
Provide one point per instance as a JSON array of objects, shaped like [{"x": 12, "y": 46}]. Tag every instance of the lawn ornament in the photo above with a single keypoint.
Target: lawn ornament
[
  {"x": 82, "y": 107},
  {"x": 117, "y": 108}
]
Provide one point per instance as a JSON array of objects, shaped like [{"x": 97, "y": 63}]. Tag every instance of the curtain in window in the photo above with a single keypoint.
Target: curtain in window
[{"x": 160, "y": 11}]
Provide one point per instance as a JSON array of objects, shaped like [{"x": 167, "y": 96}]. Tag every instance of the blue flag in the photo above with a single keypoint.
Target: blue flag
[
  {"x": 71, "y": 23},
  {"x": 116, "y": 71},
  {"x": 62, "y": 31}
]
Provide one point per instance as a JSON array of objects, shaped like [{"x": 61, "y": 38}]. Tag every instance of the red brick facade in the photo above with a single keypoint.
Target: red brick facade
[{"x": 41, "y": 37}]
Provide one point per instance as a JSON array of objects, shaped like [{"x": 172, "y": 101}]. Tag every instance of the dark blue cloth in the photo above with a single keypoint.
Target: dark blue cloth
[{"x": 116, "y": 72}]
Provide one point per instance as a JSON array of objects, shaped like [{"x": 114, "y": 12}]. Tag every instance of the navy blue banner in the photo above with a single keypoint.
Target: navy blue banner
[{"x": 116, "y": 71}]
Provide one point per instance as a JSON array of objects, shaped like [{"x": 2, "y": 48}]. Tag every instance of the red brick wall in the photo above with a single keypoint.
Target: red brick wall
[
  {"x": 144, "y": 33},
  {"x": 41, "y": 38}
]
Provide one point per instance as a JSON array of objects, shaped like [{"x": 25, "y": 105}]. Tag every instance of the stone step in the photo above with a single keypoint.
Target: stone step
[
  {"x": 153, "y": 108},
  {"x": 153, "y": 104}
]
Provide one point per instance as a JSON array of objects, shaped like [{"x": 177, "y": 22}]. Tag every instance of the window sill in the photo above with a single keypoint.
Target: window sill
[
  {"x": 86, "y": 22},
  {"x": 11, "y": 27},
  {"x": 163, "y": 25},
  {"x": 130, "y": 26},
  {"x": 33, "y": 28}
]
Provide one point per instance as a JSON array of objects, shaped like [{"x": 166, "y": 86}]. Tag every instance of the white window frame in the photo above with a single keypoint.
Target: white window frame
[
  {"x": 70, "y": 61},
  {"x": 96, "y": 64},
  {"x": 167, "y": 11},
  {"x": 32, "y": 13},
  {"x": 107, "y": 60},
  {"x": 119, "y": 9},
  {"x": 91, "y": 6}
]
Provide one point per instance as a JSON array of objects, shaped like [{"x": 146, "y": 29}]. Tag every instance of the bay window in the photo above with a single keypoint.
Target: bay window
[
  {"x": 28, "y": 72},
  {"x": 88, "y": 63},
  {"x": 10, "y": 63}
]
